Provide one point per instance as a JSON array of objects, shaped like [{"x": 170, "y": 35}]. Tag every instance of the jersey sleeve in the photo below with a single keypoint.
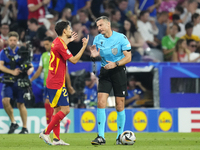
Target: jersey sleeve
[
  {"x": 164, "y": 43},
  {"x": 2, "y": 56},
  {"x": 64, "y": 52},
  {"x": 41, "y": 63},
  {"x": 125, "y": 43}
]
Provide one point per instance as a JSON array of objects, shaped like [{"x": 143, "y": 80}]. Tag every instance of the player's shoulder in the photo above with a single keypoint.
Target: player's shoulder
[
  {"x": 59, "y": 43},
  {"x": 118, "y": 35}
]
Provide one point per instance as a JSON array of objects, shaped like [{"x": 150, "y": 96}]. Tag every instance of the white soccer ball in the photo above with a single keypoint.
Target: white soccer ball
[{"x": 128, "y": 138}]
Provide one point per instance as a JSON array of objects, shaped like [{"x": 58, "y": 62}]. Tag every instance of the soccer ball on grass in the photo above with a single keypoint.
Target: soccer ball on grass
[{"x": 127, "y": 138}]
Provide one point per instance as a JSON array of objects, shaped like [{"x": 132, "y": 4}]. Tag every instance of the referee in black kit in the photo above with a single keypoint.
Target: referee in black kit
[{"x": 115, "y": 51}]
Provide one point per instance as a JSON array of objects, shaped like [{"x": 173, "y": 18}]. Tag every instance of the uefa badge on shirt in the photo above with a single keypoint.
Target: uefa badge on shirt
[
  {"x": 114, "y": 51},
  {"x": 68, "y": 52}
]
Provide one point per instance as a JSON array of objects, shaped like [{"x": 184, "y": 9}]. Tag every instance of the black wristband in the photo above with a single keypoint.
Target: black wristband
[{"x": 117, "y": 63}]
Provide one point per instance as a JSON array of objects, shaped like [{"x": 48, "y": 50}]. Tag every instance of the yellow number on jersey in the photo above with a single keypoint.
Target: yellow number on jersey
[
  {"x": 52, "y": 57},
  {"x": 64, "y": 92}
]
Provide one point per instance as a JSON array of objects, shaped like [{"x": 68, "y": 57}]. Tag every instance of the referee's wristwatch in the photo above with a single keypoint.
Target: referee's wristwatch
[{"x": 117, "y": 63}]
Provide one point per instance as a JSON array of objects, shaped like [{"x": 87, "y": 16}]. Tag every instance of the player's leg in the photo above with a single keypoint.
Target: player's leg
[
  {"x": 7, "y": 94},
  {"x": 121, "y": 116},
  {"x": 49, "y": 110},
  {"x": 22, "y": 108},
  {"x": 119, "y": 81},
  {"x": 104, "y": 89}
]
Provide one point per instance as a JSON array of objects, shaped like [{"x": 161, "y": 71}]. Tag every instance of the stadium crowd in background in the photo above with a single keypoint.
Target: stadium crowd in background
[{"x": 158, "y": 30}]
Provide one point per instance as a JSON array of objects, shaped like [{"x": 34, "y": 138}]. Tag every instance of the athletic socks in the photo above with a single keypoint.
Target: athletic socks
[
  {"x": 101, "y": 120},
  {"x": 55, "y": 122},
  {"x": 121, "y": 117},
  {"x": 56, "y": 131},
  {"x": 49, "y": 112}
]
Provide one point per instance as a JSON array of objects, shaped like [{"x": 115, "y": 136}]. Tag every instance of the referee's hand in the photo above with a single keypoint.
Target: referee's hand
[{"x": 110, "y": 65}]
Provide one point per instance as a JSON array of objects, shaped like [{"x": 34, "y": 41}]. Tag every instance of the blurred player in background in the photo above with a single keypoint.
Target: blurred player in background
[
  {"x": 58, "y": 95},
  {"x": 44, "y": 66}
]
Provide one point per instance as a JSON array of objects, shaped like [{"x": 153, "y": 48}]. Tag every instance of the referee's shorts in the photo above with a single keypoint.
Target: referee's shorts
[{"x": 113, "y": 78}]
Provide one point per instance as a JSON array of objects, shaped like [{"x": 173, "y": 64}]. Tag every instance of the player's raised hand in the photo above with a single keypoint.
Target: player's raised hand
[
  {"x": 85, "y": 41},
  {"x": 73, "y": 37},
  {"x": 94, "y": 52}
]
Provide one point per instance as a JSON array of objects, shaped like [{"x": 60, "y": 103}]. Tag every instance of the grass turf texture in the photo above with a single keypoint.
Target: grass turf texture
[{"x": 81, "y": 141}]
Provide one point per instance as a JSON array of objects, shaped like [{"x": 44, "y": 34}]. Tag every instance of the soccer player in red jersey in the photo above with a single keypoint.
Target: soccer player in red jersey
[{"x": 58, "y": 95}]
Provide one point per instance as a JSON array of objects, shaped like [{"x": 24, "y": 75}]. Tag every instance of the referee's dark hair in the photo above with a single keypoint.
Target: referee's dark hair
[
  {"x": 60, "y": 26},
  {"x": 48, "y": 38},
  {"x": 102, "y": 17}
]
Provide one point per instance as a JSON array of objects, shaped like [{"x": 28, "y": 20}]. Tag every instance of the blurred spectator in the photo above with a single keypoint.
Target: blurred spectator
[
  {"x": 134, "y": 37},
  {"x": 196, "y": 21},
  {"x": 179, "y": 10},
  {"x": 8, "y": 11},
  {"x": 115, "y": 17},
  {"x": 147, "y": 28},
  {"x": 135, "y": 91},
  {"x": 192, "y": 46},
  {"x": 107, "y": 6},
  {"x": 37, "y": 10},
  {"x": 131, "y": 6},
  {"x": 115, "y": 26},
  {"x": 66, "y": 15},
  {"x": 122, "y": 7},
  {"x": 181, "y": 53},
  {"x": 150, "y": 5},
  {"x": 169, "y": 42},
  {"x": 189, "y": 10},
  {"x": 55, "y": 15},
  {"x": 4, "y": 34},
  {"x": 40, "y": 31},
  {"x": 79, "y": 5},
  {"x": 189, "y": 30},
  {"x": 1, "y": 44},
  {"x": 176, "y": 19},
  {"x": 22, "y": 13},
  {"x": 83, "y": 18},
  {"x": 90, "y": 90},
  {"x": 167, "y": 5},
  {"x": 161, "y": 25}
]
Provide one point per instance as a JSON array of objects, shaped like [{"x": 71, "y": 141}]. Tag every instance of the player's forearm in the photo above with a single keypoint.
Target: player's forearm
[
  {"x": 125, "y": 60},
  {"x": 35, "y": 7},
  {"x": 67, "y": 79},
  {"x": 77, "y": 57},
  {"x": 6, "y": 70},
  {"x": 36, "y": 75}
]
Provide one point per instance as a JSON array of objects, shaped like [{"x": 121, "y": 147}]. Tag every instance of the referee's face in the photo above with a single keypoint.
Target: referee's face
[{"x": 103, "y": 26}]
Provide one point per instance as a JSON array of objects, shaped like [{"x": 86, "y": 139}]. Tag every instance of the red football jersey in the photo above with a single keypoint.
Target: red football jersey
[
  {"x": 38, "y": 14},
  {"x": 57, "y": 64}
]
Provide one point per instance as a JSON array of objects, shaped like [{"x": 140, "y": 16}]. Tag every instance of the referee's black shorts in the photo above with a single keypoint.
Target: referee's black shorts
[{"x": 113, "y": 78}]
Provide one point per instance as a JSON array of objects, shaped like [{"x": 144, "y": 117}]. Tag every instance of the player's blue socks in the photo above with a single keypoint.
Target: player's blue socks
[
  {"x": 101, "y": 120},
  {"x": 121, "y": 117}
]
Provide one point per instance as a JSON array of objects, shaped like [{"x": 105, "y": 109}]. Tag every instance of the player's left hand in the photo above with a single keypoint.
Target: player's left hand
[
  {"x": 71, "y": 90},
  {"x": 110, "y": 65},
  {"x": 74, "y": 36}
]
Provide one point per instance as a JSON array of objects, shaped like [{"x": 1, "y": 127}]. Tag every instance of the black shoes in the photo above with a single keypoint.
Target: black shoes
[
  {"x": 118, "y": 142},
  {"x": 98, "y": 141},
  {"x": 13, "y": 127},
  {"x": 24, "y": 131}
]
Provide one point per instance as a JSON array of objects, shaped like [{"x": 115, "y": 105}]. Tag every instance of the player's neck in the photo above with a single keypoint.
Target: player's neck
[
  {"x": 65, "y": 39},
  {"x": 108, "y": 34}
]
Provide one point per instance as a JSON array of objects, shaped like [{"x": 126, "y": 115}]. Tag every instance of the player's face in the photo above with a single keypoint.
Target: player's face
[
  {"x": 47, "y": 45},
  {"x": 68, "y": 32},
  {"x": 103, "y": 26},
  {"x": 12, "y": 42}
]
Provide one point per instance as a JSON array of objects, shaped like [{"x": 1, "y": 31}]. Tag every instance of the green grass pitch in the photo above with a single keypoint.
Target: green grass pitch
[{"x": 81, "y": 141}]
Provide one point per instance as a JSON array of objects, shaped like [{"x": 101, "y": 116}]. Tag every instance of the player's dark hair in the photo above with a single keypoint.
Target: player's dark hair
[
  {"x": 142, "y": 13},
  {"x": 178, "y": 27},
  {"x": 60, "y": 26},
  {"x": 33, "y": 20},
  {"x": 195, "y": 16},
  {"x": 48, "y": 38},
  {"x": 189, "y": 25},
  {"x": 102, "y": 17},
  {"x": 179, "y": 9}
]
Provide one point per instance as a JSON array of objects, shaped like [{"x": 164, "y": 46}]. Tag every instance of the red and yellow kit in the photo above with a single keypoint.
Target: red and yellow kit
[{"x": 57, "y": 64}]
